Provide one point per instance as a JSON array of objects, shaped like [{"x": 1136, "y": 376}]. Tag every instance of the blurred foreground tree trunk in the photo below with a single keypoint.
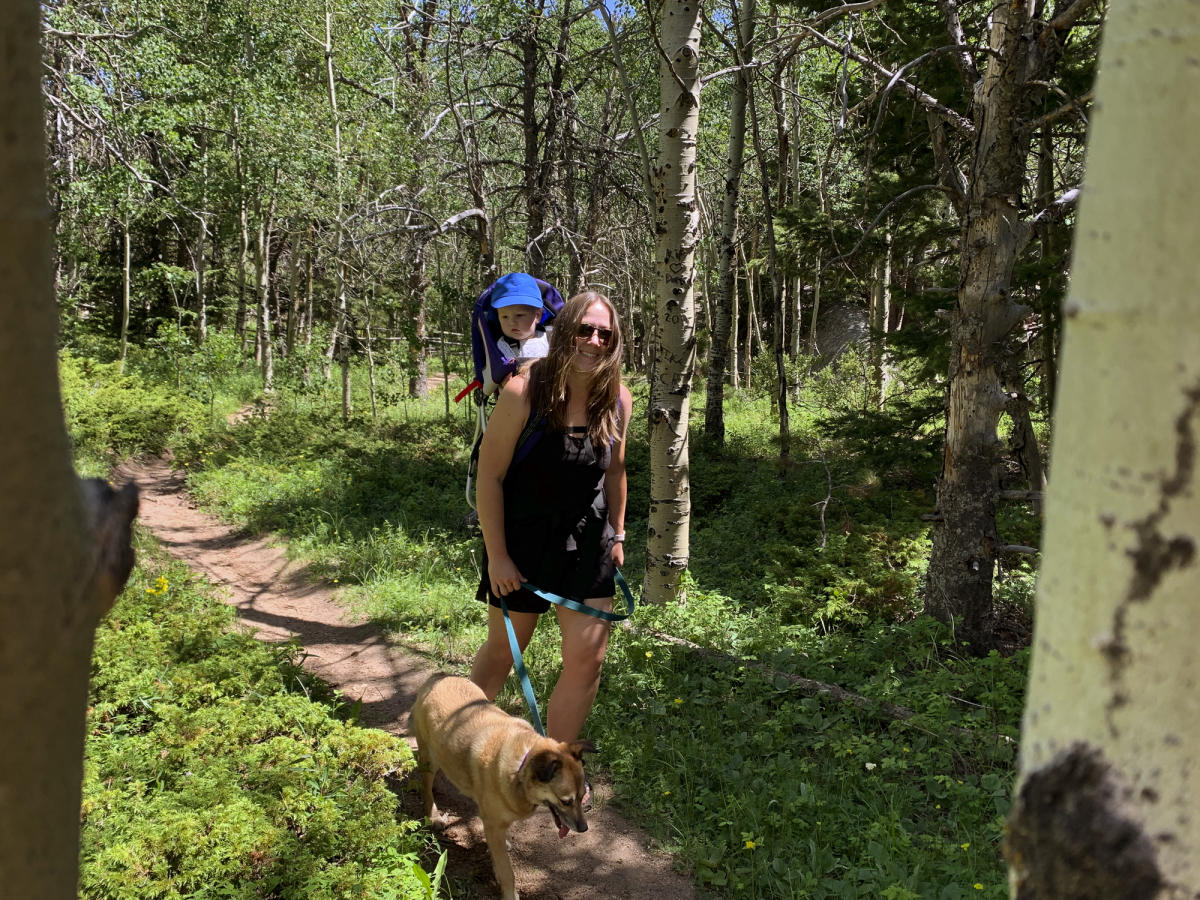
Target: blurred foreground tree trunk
[
  {"x": 677, "y": 226},
  {"x": 64, "y": 550},
  {"x": 1107, "y": 795}
]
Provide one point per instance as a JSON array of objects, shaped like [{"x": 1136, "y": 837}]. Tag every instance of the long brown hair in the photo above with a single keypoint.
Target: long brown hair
[{"x": 548, "y": 378}]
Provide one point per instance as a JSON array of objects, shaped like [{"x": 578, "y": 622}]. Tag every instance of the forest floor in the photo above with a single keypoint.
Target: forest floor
[{"x": 276, "y": 597}]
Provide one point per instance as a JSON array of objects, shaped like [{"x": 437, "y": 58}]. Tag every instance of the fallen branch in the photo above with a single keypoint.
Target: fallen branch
[
  {"x": 807, "y": 685},
  {"x": 1019, "y": 495},
  {"x": 1018, "y": 548}
]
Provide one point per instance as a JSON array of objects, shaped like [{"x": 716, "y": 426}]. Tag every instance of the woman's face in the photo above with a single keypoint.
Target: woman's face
[{"x": 594, "y": 337}]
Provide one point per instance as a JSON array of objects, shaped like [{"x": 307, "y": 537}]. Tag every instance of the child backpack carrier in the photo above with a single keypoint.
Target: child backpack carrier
[{"x": 493, "y": 366}]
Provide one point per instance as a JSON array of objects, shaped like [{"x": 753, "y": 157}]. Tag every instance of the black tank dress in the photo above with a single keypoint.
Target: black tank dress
[{"x": 556, "y": 522}]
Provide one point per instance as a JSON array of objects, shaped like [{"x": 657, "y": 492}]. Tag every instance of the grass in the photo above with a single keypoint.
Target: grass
[
  {"x": 811, "y": 571},
  {"x": 215, "y": 767}
]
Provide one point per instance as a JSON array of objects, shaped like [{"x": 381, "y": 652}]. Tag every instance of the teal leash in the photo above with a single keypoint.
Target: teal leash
[{"x": 568, "y": 603}]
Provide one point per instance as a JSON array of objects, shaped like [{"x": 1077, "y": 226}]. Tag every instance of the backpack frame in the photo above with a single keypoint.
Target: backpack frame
[{"x": 493, "y": 367}]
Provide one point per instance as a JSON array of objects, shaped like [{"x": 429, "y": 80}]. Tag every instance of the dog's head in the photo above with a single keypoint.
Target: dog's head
[{"x": 554, "y": 777}]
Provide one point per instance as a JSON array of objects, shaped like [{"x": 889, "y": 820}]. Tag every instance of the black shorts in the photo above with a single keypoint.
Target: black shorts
[
  {"x": 519, "y": 600},
  {"x": 599, "y": 584}
]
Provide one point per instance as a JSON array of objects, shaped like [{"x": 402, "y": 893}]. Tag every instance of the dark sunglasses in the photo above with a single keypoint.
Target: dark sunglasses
[{"x": 585, "y": 332}]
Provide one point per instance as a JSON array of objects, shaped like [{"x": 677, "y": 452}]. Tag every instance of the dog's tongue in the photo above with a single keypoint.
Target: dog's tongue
[{"x": 563, "y": 831}]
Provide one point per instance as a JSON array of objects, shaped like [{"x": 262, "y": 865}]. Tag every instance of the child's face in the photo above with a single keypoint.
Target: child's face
[{"x": 518, "y": 322}]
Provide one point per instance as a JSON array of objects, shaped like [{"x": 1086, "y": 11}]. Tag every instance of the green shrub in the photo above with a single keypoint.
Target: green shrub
[
  {"x": 109, "y": 414},
  {"x": 212, "y": 371},
  {"x": 771, "y": 792},
  {"x": 212, "y": 771}
]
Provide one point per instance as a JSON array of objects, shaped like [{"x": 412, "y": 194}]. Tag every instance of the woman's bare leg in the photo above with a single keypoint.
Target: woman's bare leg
[
  {"x": 494, "y": 660},
  {"x": 584, "y": 643}
]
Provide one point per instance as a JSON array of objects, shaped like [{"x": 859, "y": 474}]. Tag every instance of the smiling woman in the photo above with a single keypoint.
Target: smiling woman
[{"x": 554, "y": 517}]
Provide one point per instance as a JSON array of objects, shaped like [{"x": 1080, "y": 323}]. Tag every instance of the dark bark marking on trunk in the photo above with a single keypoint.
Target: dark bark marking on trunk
[
  {"x": 110, "y": 519},
  {"x": 1154, "y": 557},
  {"x": 1072, "y": 835},
  {"x": 1155, "y": 554}
]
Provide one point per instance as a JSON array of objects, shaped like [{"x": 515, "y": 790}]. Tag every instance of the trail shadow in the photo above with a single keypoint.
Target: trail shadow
[
  {"x": 547, "y": 867},
  {"x": 382, "y": 689}
]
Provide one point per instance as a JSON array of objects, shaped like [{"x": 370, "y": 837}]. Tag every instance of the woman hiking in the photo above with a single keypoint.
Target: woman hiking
[{"x": 554, "y": 517}]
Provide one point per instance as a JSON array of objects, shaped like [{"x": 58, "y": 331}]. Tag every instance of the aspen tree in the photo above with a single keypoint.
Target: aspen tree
[
  {"x": 677, "y": 226},
  {"x": 1107, "y": 796},
  {"x": 725, "y": 321}
]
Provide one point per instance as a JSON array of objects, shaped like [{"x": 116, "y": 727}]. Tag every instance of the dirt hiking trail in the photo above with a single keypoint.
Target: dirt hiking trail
[{"x": 273, "y": 595}]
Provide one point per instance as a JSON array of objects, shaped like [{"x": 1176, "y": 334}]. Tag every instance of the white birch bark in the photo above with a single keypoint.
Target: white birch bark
[
  {"x": 1107, "y": 797},
  {"x": 677, "y": 225},
  {"x": 262, "y": 263},
  {"x": 243, "y": 232},
  {"x": 748, "y": 340},
  {"x": 199, "y": 257},
  {"x": 816, "y": 309},
  {"x": 126, "y": 279},
  {"x": 294, "y": 297},
  {"x": 339, "y": 345},
  {"x": 880, "y": 315}
]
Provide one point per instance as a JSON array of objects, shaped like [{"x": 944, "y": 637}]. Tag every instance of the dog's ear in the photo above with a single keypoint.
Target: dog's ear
[
  {"x": 578, "y": 748},
  {"x": 545, "y": 765}
]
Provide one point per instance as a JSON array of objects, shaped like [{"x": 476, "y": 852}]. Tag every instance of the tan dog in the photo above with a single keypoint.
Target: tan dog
[{"x": 499, "y": 761}]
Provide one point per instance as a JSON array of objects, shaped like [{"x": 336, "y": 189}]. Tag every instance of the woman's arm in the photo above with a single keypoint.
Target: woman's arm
[
  {"x": 615, "y": 485},
  {"x": 495, "y": 455}
]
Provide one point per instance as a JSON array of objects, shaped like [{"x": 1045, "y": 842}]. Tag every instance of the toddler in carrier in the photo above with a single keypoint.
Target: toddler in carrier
[
  {"x": 508, "y": 326},
  {"x": 517, "y": 300}
]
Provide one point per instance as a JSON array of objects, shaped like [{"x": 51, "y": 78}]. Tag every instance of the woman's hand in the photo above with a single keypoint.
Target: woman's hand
[
  {"x": 504, "y": 575},
  {"x": 618, "y": 553}
]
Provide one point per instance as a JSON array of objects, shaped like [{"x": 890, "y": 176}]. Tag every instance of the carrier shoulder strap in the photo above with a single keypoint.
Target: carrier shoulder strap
[{"x": 535, "y": 426}]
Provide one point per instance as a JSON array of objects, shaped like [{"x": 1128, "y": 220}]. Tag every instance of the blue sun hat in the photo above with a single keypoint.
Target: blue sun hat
[{"x": 516, "y": 289}]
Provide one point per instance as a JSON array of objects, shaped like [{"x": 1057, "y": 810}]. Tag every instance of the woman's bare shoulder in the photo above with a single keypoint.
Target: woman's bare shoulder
[
  {"x": 518, "y": 383},
  {"x": 624, "y": 410},
  {"x": 626, "y": 399},
  {"x": 513, "y": 398}
]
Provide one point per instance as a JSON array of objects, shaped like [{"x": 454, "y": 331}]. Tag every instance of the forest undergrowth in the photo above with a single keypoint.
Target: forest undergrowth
[
  {"x": 216, "y": 767},
  {"x": 807, "y": 570}
]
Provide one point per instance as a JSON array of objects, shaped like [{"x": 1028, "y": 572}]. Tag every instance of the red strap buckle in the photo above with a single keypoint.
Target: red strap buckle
[{"x": 470, "y": 387}]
